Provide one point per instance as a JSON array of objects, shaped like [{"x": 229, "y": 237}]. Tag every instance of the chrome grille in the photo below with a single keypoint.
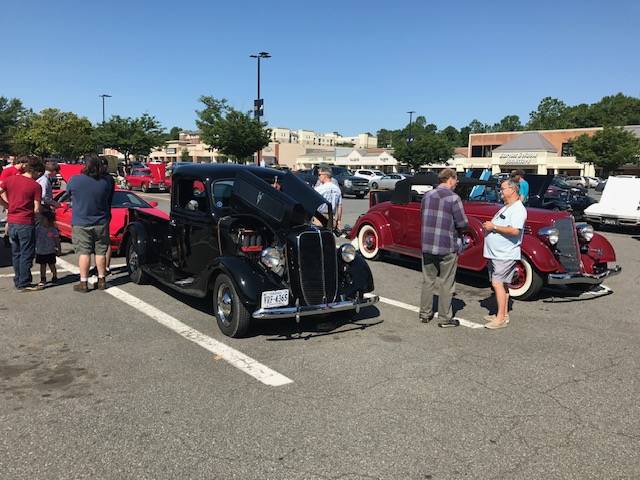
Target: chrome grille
[
  {"x": 567, "y": 246},
  {"x": 360, "y": 181},
  {"x": 317, "y": 265}
]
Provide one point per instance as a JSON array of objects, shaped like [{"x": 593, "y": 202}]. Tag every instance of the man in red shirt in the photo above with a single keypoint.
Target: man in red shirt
[
  {"x": 16, "y": 169},
  {"x": 21, "y": 195}
]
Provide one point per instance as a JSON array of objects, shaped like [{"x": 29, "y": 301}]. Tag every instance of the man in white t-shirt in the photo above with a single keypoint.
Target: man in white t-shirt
[
  {"x": 332, "y": 194},
  {"x": 502, "y": 248}
]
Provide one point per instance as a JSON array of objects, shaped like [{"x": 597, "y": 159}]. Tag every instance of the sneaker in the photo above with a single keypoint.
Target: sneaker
[
  {"x": 82, "y": 287},
  {"x": 29, "y": 288},
  {"x": 102, "y": 284},
  {"x": 40, "y": 285},
  {"x": 492, "y": 318},
  {"x": 425, "y": 318},
  {"x": 454, "y": 322}
]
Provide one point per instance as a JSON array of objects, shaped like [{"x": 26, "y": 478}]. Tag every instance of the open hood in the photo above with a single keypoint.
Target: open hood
[
  {"x": 68, "y": 170},
  {"x": 294, "y": 205},
  {"x": 158, "y": 171},
  {"x": 538, "y": 185}
]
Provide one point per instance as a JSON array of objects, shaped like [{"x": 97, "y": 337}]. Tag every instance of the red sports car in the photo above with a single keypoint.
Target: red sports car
[
  {"x": 122, "y": 201},
  {"x": 555, "y": 249}
]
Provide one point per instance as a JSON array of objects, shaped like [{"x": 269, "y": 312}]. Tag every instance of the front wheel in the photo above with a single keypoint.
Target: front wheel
[
  {"x": 527, "y": 282},
  {"x": 136, "y": 274},
  {"x": 145, "y": 188},
  {"x": 232, "y": 316},
  {"x": 369, "y": 242},
  {"x": 374, "y": 186}
]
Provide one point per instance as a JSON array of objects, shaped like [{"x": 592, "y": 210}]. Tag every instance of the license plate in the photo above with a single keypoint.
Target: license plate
[
  {"x": 275, "y": 298},
  {"x": 609, "y": 221}
]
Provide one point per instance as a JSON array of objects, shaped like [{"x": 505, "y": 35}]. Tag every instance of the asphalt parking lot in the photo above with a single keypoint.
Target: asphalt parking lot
[{"x": 137, "y": 382}]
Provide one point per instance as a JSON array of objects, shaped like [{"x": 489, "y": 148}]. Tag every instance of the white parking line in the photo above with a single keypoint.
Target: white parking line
[
  {"x": 413, "y": 308},
  {"x": 33, "y": 272},
  {"x": 155, "y": 197},
  {"x": 232, "y": 356}
]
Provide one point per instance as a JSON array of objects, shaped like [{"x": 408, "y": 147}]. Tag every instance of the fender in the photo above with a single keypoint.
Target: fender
[
  {"x": 249, "y": 281},
  {"x": 378, "y": 221},
  {"x": 360, "y": 274},
  {"x": 539, "y": 254},
  {"x": 136, "y": 233},
  {"x": 600, "y": 249}
]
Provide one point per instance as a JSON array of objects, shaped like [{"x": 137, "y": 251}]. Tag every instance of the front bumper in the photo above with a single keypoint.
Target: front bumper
[
  {"x": 584, "y": 278},
  {"x": 356, "y": 190},
  {"x": 613, "y": 220},
  {"x": 290, "y": 312}
]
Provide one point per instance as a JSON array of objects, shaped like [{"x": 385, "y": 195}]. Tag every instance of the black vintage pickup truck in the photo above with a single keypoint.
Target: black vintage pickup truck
[{"x": 253, "y": 239}]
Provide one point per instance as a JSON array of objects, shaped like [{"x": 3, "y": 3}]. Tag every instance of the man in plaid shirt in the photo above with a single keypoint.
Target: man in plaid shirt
[{"x": 443, "y": 219}]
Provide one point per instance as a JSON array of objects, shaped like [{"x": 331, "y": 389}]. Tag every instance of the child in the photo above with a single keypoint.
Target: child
[{"x": 47, "y": 247}]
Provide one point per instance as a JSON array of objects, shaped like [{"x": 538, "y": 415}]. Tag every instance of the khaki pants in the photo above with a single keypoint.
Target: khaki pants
[{"x": 442, "y": 267}]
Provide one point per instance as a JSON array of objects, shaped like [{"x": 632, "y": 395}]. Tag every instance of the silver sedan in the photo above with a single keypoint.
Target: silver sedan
[{"x": 388, "y": 182}]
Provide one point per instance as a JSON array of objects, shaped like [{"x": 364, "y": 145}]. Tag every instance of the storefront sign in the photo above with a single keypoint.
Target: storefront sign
[
  {"x": 170, "y": 151},
  {"x": 517, "y": 158}
]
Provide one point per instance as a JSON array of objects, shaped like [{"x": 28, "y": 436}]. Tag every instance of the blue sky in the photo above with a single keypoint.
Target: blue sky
[{"x": 348, "y": 66}]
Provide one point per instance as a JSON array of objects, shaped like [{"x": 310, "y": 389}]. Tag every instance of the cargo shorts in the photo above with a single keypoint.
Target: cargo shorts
[
  {"x": 501, "y": 270},
  {"x": 91, "y": 239}
]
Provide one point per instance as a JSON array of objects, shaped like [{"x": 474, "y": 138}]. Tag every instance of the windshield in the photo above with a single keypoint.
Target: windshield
[{"x": 340, "y": 171}]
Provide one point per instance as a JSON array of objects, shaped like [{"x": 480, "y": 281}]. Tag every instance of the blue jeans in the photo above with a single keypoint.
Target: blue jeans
[{"x": 23, "y": 249}]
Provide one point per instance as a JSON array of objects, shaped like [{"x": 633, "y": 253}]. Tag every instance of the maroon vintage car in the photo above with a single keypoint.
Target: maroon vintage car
[{"x": 555, "y": 249}]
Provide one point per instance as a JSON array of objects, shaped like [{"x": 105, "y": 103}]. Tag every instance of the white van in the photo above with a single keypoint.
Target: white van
[{"x": 619, "y": 205}]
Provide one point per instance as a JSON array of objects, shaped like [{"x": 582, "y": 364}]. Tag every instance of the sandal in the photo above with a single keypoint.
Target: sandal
[{"x": 40, "y": 286}]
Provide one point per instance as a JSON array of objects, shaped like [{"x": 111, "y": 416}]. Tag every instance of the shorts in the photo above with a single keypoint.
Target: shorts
[
  {"x": 90, "y": 239},
  {"x": 45, "y": 258},
  {"x": 501, "y": 270}
]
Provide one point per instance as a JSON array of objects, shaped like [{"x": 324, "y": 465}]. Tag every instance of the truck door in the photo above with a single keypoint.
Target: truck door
[{"x": 192, "y": 229}]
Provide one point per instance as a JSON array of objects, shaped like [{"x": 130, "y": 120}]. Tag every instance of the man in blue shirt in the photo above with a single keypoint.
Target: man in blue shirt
[
  {"x": 91, "y": 196},
  {"x": 518, "y": 176}
]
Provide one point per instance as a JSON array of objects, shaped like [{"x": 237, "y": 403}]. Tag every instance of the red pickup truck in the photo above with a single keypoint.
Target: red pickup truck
[{"x": 153, "y": 177}]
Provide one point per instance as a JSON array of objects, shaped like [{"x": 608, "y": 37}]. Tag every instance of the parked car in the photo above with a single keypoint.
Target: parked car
[
  {"x": 551, "y": 193},
  {"x": 349, "y": 184},
  {"x": 593, "y": 181},
  {"x": 248, "y": 241},
  {"x": 370, "y": 175},
  {"x": 123, "y": 202},
  {"x": 555, "y": 249},
  {"x": 619, "y": 204},
  {"x": 578, "y": 181},
  {"x": 601, "y": 185},
  {"x": 388, "y": 182},
  {"x": 147, "y": 179}
]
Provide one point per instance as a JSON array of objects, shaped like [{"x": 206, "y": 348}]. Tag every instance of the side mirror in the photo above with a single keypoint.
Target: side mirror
[{"x": 153, "y": 203}]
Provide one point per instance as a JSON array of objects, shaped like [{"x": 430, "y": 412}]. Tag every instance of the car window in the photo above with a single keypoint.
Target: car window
[
  {"x": 125, "y": 199},
  {"x": 191, "y": 196},
  {"x": 221, "y": 191}
]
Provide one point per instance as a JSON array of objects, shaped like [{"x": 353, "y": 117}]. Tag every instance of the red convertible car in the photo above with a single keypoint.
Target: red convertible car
[
  {"x": 122, "y": 201},
  {"x": 153, "y": 177},
  {"x": 555, "y": 249}
]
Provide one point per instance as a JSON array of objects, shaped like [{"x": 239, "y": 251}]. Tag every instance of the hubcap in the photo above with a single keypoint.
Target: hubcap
[
  {"x": 225, "y": 304},
  {"x": 520, "y": 277},
  {"x": 133, "y": 260},
  {"x": 369, "y": 242}
]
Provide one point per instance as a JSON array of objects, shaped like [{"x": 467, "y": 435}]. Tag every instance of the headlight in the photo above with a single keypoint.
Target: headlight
[
  {"x": 585, "y": 231},
  {"x": 272, "y": 258},
  {"x": 348, "y": 252},
  {"x": 552, "y": 235},
  {"x": 347, "y": 183}
]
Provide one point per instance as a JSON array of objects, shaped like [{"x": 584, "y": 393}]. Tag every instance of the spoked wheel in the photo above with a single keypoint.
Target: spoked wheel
[
  {"x": 368, "y": 242},
  {"x": 526, "y": 283},
  {"x": 133, "y": 265},
  {"x": 232, "y": 316}
]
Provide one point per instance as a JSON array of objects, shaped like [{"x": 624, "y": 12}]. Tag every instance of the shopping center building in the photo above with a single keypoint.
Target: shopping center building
[{"x": 542, "y": 151}]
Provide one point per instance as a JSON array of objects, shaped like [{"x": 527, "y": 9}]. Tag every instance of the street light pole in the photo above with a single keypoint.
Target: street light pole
[
  {"x": 103, "y": 96},
  {"x": 258, "y": 104},
  {"x": 410, "y": 137}
]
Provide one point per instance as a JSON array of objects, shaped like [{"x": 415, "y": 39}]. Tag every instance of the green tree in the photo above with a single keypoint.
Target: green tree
[
  {"x": 232, "y": 132},
  {"x": 510, "y": 123},
  {"x": 174, "y": 133},
  {"x": 551, "y": 114},
  {"x": 54, "y": 133},
  {"x": 425, "y": 150},
  {"x": 12, "y": 116},
  {"x": 130, "y": 136},
  {"x": 184, "y": 155},
  {"x": 609, "y": 148},
  {"x": 476, "y": 126},
  {"x": 451, "y": 134}
]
